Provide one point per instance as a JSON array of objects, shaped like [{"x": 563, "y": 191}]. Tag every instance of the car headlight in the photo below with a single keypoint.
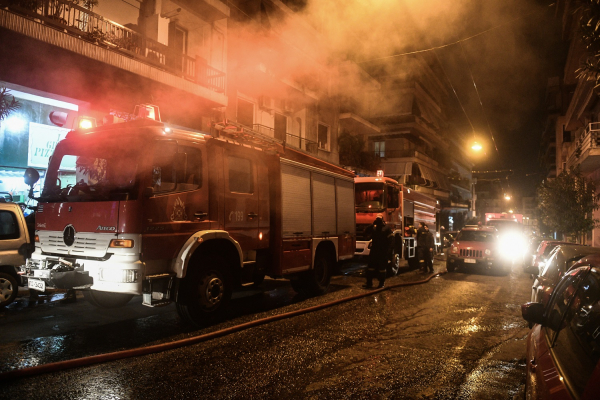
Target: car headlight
[
  {"x": 454, "y": 250},
  {"x": 488, "y": 252}
]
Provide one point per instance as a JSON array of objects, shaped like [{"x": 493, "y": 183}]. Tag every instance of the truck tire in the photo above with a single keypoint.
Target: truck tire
[
  {"x": 413, "y": 263},
  {"x": 205, "y": 291},
  {"x": 9, "y": 288},
  {"x": 450, "y": 267},
  {"x": 106, "y": 299},
  {"x": 394, "y": 264},
  {"x": 316, "y": 281}
]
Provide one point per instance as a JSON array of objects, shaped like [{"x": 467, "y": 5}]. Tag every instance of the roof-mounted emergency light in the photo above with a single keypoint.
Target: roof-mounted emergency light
[
  {"x": 147, "y": 111},
  {"x": 84, "y": 122}
]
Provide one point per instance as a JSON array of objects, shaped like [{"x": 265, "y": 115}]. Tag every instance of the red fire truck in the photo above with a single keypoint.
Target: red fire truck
[
  {"x": 178, "y": 215},
  {"x": 401, "y": 207}
]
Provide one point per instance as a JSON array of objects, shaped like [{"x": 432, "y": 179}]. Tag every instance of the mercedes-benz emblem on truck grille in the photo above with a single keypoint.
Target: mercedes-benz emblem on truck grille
[{"x": 69, "y": 235}]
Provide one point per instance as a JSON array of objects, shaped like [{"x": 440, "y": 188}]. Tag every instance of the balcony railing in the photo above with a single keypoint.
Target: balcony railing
[
  {"x": 290, "y": 140},
  {"x": 588, "y": 141},
  {"x": 405, "y": 154},
  {"x": 87, "y": 25}
]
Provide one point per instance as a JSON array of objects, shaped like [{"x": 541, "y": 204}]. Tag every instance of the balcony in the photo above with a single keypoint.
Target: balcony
[
  {"x": 69, "y": 26},
  {"x": 587, "y": 149},
  {"x": 391, "y": 154},
  {"x": 294, "y": 141}
]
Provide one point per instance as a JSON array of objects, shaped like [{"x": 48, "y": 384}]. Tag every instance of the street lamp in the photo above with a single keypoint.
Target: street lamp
[
  {"x": 507, "y": 196},
  {"x": 476, "y": 147}
]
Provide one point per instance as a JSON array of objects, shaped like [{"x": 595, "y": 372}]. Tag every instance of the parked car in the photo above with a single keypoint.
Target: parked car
[
  {"x": 477, "y": 247},
  {"x": 563, "y": 348},
  {"x": 559, "y": 262},
  {"x": 15, "y": 247},
  {"x": 542, "y": 253},
  {"x": 530, "y": 252}
]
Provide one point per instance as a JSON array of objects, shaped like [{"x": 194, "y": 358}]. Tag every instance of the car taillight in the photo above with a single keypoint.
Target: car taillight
[
  {"x": 121, "y": 243},
  {"x": 37, "y": 238}
]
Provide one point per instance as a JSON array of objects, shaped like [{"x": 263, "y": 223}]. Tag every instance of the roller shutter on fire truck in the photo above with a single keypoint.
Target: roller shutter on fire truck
[
  {"x": 295, "y": 200},
  {"x": 331, "y": 211},
  {"x": 345, "y": 206},
  {"x": 323, "y": 205}
]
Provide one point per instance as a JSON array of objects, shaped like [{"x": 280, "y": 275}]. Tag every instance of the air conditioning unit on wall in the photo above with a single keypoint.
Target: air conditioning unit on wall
[
  {"x": 288, "y": 106},
  {"x": 265, "y": 102}
]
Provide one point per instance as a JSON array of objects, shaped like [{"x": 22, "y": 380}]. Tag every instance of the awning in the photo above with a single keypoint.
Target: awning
[{"x": 403, "y": 171}]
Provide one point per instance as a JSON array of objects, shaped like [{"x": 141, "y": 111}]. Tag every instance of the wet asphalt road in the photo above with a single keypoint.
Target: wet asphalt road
[{"x": 458, "y": 336}]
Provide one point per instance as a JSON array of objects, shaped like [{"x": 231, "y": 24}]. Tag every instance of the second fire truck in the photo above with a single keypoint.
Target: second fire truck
[{"x": 401, "y": 208}]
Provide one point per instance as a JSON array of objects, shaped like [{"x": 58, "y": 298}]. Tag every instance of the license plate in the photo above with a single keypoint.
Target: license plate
[
  {"x": 36, "y": 285},
  {"x": 470, "y": 261}
]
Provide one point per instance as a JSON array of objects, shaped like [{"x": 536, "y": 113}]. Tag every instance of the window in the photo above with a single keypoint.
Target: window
[
  {"x": 393, "y": 197},
  {"x": 9, "y": 228},
  {"x": 163, "y": 166},
  {"x": 245, "y": 113},
  {"x": 178, "y": 45},
  {"x": 280, "y": 127},
  {"x": 572, "y": 327},
  {"x": 323, "y": 137},
  {"x": 241, "y": 176},
  {"x": 189, "y": 168},
  {"x": 379, "y": 149}
]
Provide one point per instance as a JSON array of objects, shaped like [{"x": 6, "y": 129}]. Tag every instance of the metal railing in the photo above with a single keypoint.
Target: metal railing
[
  {"x": 87, "y": 25},
  {"x": 290, "y": 140},
  {"x": 589, "y": 140}
]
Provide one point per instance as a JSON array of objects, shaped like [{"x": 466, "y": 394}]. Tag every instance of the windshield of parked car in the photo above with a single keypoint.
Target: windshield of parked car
[
  {"x": 370, "y": 195},
  {"x": 476, "y": 236},
  {"x": 86, "y": 171}
]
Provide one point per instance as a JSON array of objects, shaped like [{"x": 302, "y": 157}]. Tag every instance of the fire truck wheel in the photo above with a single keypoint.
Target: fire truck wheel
[
  {"x": 413, "y": 263},
  {"x": 394, "y": 265},
  {"x": 205, "y": 291},
  {"x": 106, "y": 299},
  {"x": 257, "y": 279},
  {"x": 8, "y": 289},
  {"x": 315, "y": 281}
]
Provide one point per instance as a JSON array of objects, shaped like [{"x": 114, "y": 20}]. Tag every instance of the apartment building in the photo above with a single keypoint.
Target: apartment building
[
  {"x": 573, "y": 129},
  {"x": 102, "y": 61}
]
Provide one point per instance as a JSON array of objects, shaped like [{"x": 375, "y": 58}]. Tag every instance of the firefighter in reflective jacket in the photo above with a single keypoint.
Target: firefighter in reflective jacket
[{"x": 381, "y": 240}]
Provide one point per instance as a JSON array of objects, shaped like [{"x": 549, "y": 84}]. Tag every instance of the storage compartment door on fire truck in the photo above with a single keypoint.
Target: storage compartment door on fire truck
[
  {"x": 178, "y": 204},
  {"x": 242, "y": 207}
]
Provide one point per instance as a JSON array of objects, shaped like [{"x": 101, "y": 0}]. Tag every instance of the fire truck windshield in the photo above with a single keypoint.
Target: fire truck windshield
[
  {"x": 369, "y": 196},
  {"x": 80, "y": 171}
]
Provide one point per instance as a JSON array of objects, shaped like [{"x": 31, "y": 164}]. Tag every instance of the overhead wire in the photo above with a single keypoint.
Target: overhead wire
[
  {"x": 479, "y": 98},
  {"x": 455, "y": 42}
]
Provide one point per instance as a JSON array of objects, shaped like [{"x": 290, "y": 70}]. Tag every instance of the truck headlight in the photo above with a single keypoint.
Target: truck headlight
[{"x": 121, "y": 243}]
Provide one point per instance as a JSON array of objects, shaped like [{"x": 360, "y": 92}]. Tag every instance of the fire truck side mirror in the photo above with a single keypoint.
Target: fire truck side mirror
[
  {"x": 58, "y": 118},
  {"x": 148, "y": 192},
  {"x": 31, "y": 176}
]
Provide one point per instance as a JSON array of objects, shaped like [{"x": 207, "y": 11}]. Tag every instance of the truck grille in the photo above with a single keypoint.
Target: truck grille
[
  {"x": 471, "y": 253},
  {"x": 86, "y": 244}
]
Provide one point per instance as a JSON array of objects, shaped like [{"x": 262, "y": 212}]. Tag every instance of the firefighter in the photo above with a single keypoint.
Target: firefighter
[
  {"x": 425, "y": 243},
  {"x": 381, "y": 236}
]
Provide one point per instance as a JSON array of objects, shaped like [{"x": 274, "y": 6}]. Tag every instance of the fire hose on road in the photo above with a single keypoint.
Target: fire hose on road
[{"x": 119, "y": 355}]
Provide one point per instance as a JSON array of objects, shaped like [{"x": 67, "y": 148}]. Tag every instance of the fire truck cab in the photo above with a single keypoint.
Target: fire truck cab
[
  {"x": 179, "y": 215},
  {"x": 380, "y": 195}
]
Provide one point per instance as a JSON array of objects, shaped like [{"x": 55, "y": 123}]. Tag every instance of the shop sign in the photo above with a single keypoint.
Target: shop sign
[{"x": 42, "y": 142}]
